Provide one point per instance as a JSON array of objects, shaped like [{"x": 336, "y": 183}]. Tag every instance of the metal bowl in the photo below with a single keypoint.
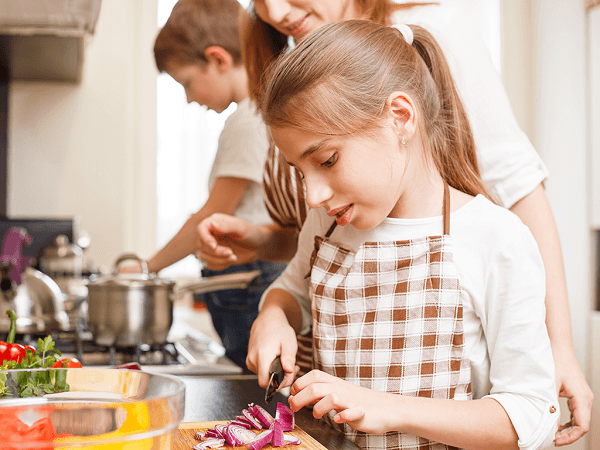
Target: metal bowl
[{"x": 104, "y": 408}]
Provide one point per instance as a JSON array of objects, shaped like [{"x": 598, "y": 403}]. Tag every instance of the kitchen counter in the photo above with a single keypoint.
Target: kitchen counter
[{"x": 223, "y": 398}]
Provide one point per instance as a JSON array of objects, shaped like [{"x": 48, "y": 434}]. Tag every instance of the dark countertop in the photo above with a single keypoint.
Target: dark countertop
[{"x": 223, "y": 398}]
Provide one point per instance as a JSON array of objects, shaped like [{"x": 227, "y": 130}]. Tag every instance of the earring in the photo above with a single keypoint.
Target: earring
[{"x": 403, "y": 140}]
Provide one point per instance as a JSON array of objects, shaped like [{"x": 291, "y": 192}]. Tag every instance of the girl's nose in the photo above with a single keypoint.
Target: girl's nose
[
  {"x": 277, "y": 10},
  {"x": 317, "y": 192}
]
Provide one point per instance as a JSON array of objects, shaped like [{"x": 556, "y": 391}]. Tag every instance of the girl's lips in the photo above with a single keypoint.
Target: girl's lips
[{"x": 342, "y": 215}]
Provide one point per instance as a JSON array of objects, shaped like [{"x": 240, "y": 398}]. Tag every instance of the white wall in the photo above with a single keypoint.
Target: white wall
[
  {"x": 545, "y": 77},
  {"x": 89, "y": 149}
]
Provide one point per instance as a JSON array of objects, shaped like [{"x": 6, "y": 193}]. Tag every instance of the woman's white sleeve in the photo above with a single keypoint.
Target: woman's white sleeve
[{"x": 522, "y": 372}]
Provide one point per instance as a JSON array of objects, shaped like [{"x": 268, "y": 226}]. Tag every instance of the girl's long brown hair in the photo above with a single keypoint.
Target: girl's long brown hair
[
  {"x": 262, "y": 43},
  {"x": 337, "y": 82}
]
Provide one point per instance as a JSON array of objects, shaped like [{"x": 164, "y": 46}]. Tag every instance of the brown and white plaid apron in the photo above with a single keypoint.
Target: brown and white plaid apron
[
  {"x": 285, "y": 200},
  {"x": 388, "y": 317}
]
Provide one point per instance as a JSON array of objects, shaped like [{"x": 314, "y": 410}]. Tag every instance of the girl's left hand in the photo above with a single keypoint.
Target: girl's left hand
[{"x": 361, "y": 408}]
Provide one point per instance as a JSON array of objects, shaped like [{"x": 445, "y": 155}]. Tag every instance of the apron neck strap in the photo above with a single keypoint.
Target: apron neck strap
[{"x": 446, "y": 209}]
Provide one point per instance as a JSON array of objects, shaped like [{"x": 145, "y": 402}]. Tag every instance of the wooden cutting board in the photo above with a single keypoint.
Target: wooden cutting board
[{"x": 184, "y": 438}]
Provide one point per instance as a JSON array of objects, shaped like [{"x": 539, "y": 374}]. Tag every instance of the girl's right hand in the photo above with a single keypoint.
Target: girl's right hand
[
  {"x": 271, "y": 336},
  {"x": 226, "y": 240}
]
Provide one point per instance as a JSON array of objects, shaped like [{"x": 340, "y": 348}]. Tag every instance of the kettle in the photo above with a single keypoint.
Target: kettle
[{"x": 34, "y": 297}]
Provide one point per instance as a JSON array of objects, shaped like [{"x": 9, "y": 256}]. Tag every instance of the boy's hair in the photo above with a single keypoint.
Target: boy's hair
[
  {"x": 337, "y": 82},
  {"x": 195, "y": 25},
  {"x": 262, "y": 42}
]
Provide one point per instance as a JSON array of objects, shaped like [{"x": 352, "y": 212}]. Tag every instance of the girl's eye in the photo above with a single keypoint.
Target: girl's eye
[{"x": 330, "y": 162}]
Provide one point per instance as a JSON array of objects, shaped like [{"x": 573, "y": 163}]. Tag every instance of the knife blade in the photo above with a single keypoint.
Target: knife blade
[{"x": 276, "y": 375}]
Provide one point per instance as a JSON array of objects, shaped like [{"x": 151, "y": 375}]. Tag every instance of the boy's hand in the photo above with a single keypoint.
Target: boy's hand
[
  {"x": 226, "y": 240},
  {"x": 363, "y": 409},
  {"x": 271, "y": 335}
]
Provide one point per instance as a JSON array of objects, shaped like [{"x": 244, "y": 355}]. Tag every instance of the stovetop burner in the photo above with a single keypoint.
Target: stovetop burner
[{"x": 187, "y": 352}]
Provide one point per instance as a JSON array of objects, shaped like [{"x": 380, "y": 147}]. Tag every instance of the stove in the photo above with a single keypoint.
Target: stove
[{"x": 186, "y": 352}]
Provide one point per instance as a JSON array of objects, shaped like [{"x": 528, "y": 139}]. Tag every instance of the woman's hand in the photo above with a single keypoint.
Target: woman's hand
[
  {"x": 361, "y": 408},
  {"x": 271, "y": 336},
  {"x": 226, "y": 240},
  {"x": 572, "y": 384}
]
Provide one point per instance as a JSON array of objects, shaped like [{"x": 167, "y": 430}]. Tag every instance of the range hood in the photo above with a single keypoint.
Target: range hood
[{"x": 46, "y": 38}]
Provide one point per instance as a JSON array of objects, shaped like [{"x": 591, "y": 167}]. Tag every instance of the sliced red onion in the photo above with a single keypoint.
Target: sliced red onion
[
  {"x": 286, "y": 416},
  {"x": 220, "y": 428},
  {"x": 244, "y": 424},
  {"x": 199, "y": 435},
  {"x": 278, "y": 437},
  {"x": 236, "y": 435},
  {"x": 261, "y": 440},
  {"x": 261, "y": 414},
  {"x": 255, "y": 423},
  {"x": 212, "y": 433},
  {"x": 291, "y": 440},
  {"x": 244, "y": 420},
  {"x": 210, "y": 443}
]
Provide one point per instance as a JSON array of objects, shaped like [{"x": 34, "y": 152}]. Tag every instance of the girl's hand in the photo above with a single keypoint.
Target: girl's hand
[
  {"x": 271, "y": 335},
  {"x": 226, "y": 240},
  {"x": 363, "y": 409}
]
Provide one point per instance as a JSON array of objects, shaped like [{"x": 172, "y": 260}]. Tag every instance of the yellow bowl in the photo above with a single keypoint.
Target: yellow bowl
[{"x": 103, "y": 408}]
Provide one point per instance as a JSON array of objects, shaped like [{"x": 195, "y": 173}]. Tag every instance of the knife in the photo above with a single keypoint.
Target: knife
[{"x": 276, "y": 375}]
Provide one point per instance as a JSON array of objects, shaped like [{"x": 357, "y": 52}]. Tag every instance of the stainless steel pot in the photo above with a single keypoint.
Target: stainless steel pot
[{"x": 129, "y": 309}]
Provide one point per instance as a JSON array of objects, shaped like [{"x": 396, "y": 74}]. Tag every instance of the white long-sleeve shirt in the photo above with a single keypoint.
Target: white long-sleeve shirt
[{"x": 503, "y": 289}]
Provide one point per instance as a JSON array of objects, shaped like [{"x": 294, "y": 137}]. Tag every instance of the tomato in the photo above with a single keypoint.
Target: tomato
[
  {"x": 29, "y": 347},
  {"x": 67, "y": 362}
]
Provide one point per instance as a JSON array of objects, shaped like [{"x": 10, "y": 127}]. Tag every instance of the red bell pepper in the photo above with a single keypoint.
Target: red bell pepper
[{"x": 9, "y": 351}]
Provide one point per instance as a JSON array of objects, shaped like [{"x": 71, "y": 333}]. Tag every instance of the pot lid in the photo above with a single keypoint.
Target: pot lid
[{"x": 130, "y": 280}]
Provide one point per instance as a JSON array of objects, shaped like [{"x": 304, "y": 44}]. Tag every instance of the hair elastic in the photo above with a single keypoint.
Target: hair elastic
[{"x": 406, "y": 31}]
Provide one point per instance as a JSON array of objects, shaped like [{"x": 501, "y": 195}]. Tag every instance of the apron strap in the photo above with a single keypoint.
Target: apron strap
[{"x": 446, "y": 209}]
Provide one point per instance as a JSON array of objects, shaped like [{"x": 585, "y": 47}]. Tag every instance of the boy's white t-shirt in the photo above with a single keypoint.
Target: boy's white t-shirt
[
  {"x": 503, "y": 290},
  {"x": 241, "y": 153}
]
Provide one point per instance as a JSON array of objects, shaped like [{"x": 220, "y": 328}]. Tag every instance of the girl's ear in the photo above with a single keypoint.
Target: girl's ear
[
  {"x": 220, "y": 57},
  {"x": 403, "y": 114}
]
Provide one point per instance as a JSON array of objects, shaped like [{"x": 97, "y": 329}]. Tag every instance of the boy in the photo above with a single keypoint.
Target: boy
[{"x": 200, "y": 48}]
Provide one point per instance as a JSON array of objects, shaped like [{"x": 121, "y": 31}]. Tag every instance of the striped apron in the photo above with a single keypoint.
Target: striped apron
[{"x": 388, "y": 317}]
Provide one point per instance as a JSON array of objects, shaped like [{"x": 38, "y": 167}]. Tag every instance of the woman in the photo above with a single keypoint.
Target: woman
[{"x": 509, "y": 164}]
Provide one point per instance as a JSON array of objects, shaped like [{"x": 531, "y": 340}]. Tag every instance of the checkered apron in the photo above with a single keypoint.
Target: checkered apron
[{"x": 388, "y": 317}]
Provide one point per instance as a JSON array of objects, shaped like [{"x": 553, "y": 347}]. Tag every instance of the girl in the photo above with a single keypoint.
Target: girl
[
  {"x": 510, "y": 166},
  {"x": 421, "y": 291}
]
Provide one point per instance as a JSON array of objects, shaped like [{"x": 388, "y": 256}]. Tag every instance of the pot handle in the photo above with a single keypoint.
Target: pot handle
[{"x": 131, "y": 256}]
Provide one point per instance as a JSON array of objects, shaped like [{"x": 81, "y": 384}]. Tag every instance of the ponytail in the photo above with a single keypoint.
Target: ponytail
[{"x": 449, "y": 133}]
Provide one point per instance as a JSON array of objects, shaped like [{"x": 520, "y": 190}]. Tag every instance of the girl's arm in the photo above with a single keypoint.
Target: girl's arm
[
  {"x": 534, "y": 210},
  {"x": 224, "y": 197},
  {"x": 463, "y": 424}
]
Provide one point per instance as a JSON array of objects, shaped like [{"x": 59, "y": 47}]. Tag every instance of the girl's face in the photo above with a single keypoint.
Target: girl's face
[
  {"x": 299, "y": 18},
  {"x": 357, "y": 179}
]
